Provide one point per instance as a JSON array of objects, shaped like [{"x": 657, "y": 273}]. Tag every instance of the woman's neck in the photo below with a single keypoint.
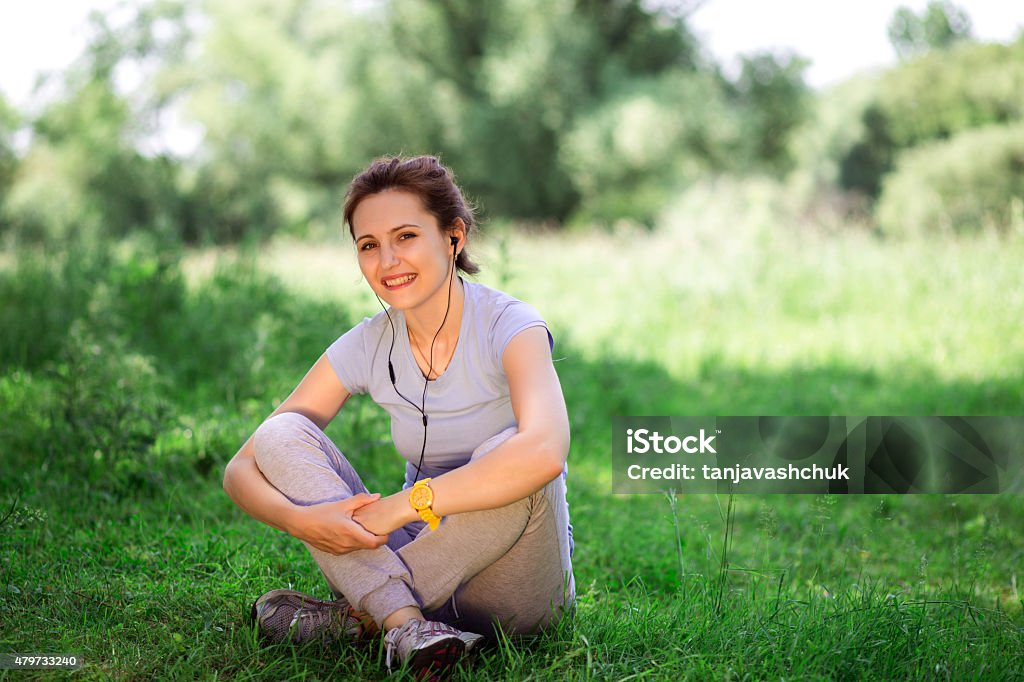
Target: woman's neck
[{"x": 425, "y": 321}]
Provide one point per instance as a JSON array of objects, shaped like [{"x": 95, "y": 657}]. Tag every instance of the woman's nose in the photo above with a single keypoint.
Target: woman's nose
[{"x": 388, "y": 256}]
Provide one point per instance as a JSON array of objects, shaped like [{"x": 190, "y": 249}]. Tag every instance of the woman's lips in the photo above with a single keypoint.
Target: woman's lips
[{"x": 398, "y": 281}]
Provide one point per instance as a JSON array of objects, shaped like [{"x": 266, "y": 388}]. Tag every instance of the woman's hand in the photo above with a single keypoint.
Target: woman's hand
[
  {"x": 330, "y": 526},
  {"x": 386, "y": 514}
]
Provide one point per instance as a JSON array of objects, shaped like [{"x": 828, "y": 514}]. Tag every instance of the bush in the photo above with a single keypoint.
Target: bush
[
  {"x": 965, "y": 184},
  {"x": 108, "y": 408},
  {"x": 43, "y": 294},
  {"x": 628, "y": 157},
  {"x": 232, "y": 336},
  {"x": 114, "y": 373},
  {"x": 820, "y": 145},
  {"x": 930, "y": 98},
  {"x": 945, "y": 92}
]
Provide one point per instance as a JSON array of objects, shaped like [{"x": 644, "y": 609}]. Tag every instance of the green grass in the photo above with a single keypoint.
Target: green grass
[{"x": 118, "y": 544}]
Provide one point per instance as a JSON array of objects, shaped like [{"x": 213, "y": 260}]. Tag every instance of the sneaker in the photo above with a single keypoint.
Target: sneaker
[
  {"x": 283, "y": 615},
  {"x": 429, "y": 649}
]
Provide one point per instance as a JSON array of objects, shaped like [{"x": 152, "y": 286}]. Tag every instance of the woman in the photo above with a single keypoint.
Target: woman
[{"x": 479, "y": 535}]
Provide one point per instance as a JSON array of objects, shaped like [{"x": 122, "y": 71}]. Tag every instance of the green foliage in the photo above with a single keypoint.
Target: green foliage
[
  {"x": 971, "y": 182},
  {"x": 819, "y": 145},
  {"x": 521, "y": 97},
  {"x": 74, "y": 320},
  {"x": 89, "y": 169},
  {"x": 107, "y": 557},
  {"x": 940, "y": 25},
  {"x": 943, "y": 93},
  {"x": 9, "y": 122},
  {"x": 83, "y": 174},
  {"x": 271, "y": 88},
  {"x": 525, "y": 76},
  {"x": 933, "y": 97},
  {"x": 628, "y": 156},
  {"x": 43, "y": 294},
  {"x": 295, "y": 97},
  {"x": 108, "y": 406},
  {"x": 774, "y": 100},
  {"x": 867, "y": 161},
  {"x": 112, "y": 364},
  {"x": 243, "y": 355}
]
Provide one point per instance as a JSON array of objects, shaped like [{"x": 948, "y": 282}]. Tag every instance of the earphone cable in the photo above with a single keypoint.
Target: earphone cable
[
  {"x": 430, "y": 364},
  {"x": 421, "y": 408}
]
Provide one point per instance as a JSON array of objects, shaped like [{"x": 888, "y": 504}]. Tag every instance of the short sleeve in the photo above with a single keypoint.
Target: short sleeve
[
  {"x": 349, "y": 358},
  {"x": 514, "y": 318}
]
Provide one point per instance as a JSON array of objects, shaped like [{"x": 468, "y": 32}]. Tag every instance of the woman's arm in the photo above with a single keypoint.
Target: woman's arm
[
  {"x": 319, "y": 397},
  {"x": 517, "y": 468}
]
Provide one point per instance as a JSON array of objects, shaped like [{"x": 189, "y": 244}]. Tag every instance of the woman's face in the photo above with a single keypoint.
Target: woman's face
[{"x": 403, "y": 253}]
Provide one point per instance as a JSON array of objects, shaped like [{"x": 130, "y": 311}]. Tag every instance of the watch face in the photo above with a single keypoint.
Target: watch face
[{"x": 421, "y": 497}]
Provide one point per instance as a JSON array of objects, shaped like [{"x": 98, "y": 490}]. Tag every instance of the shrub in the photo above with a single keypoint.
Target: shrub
[
  {"x": 628, "y": 157},
  {"x": 43, "y": 294},
  {"x": 945, "y": 92},
  {"x": 108, "y": 408},
  {"x": 115, "y": 374},
  {"x": 934, "y": 97},
  {"x": 965, "y": 184}
]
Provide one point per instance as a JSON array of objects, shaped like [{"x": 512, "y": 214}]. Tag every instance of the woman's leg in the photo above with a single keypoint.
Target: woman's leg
[
  {"x": 532, "y": 585},
  {"x": 517, "y": 571},
  {"x": 300, "y": 461},
  {"x": 511, "y": 562},
  {"x": 525, "y": 588}
]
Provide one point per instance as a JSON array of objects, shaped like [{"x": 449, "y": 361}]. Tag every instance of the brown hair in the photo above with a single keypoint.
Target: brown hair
[{"x": 428, "y": 179}]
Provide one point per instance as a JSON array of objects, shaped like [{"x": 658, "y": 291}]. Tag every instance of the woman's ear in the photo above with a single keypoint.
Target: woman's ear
[{"x": 458, "y": 234}]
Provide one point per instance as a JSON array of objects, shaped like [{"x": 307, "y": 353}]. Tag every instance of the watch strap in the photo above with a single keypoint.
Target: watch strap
[{"x": 425, "y": 511}]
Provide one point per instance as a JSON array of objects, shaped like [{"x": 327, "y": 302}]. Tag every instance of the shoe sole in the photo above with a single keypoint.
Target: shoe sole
[{"x": 434, "y": 662}]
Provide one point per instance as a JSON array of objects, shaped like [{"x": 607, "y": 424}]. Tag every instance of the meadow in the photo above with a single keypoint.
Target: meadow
[{"x": 132, "y": 373}]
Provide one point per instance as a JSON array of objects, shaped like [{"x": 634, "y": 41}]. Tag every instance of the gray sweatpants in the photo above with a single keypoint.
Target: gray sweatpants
[{"x": 509, "y": 565}]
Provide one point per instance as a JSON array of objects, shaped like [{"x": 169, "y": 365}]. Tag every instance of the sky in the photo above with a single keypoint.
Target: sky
[{"x": 840, "y": 37}]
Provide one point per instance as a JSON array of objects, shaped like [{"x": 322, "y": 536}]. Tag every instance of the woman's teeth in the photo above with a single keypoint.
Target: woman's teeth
[{"x": 398, "y": 281}]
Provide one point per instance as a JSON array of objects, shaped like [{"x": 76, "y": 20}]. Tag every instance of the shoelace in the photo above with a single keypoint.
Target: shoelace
[
  {"x": 316, "y": 619},
  {"x": 393, "y": 638},
  {"x": 390, "y": 645}
]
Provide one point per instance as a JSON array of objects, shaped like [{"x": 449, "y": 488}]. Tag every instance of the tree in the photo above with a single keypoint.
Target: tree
[
  {"x": 85, "y": 171},
  {"x": 772, "y": 92},
  {"x": 940, "y": 25},
  {"x": 521, "y": 76},
  {"x": 9, "y": 123}
]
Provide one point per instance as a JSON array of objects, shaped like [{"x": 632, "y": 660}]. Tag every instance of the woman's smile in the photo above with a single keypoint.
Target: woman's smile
[{"x": 396, "y": 282}]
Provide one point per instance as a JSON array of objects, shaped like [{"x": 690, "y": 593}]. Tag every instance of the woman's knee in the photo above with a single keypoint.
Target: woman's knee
[
  {"x": 272, "y": 438},
  {"x": 493, "y": 442}
]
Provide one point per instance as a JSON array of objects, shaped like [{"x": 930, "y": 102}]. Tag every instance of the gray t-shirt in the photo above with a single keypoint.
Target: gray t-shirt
[{"x": 466, "y": 405}]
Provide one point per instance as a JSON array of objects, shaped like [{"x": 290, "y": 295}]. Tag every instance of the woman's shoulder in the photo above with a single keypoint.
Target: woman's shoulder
[
  {"x": 368, "y": 330},
  {"x": 493, "y": 301},
  {"x": 501, "y": 315}
]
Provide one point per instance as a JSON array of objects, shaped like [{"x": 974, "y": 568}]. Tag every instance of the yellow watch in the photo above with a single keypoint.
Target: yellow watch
[{"x": 421, "y": 497}]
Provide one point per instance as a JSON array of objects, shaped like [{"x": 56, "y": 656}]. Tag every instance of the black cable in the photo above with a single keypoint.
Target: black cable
[{"x": 421, "y": 408}]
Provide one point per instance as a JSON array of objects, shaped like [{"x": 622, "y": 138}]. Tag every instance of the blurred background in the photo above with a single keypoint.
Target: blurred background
[
  {"x": 214, "y": 122},
  {"x": 721, "y": 208}
]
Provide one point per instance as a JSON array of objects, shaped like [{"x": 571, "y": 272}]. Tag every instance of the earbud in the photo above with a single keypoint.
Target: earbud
[{"x": 455, "y": 241}]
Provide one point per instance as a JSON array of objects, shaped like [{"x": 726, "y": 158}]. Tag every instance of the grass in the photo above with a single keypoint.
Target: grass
[{"x": 118, "y": 544}]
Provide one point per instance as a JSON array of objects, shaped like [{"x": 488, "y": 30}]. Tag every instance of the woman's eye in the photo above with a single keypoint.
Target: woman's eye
[
  {"x": 367, "y": 246},
  {"x": 407, "y": 235}
]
